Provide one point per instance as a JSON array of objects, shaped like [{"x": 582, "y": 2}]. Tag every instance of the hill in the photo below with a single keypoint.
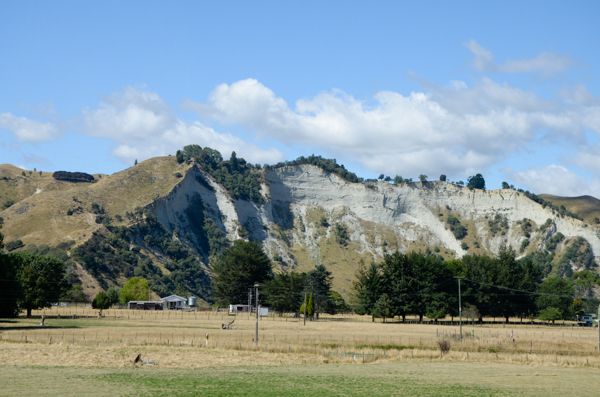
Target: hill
[
  {"x": 587, "y": 207},
  {"x": 168, "y": 218}
]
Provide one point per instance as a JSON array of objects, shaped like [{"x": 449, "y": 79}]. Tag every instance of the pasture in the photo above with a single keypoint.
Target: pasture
[{"x": 340, "y": 355}]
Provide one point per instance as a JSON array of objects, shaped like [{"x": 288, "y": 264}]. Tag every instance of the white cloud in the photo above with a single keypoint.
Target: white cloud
[
  {"x": 452, "y": 129},
  {"x": 142, "y": 125},
  {"x": 546, "y": 63},
  {"x": 554, "y": 179},
  {"x": 27, "y": 130}
]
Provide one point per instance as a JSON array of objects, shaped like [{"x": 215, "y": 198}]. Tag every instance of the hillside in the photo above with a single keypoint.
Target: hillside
[
  {"x": 587, "y": 207},
  {"x": 167, "y": 221}
]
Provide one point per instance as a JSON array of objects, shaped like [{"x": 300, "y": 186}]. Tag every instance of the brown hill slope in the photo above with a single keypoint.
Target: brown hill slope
[
  {"x": 587, "y": 207},
  {"x": 39, "y": 213}
]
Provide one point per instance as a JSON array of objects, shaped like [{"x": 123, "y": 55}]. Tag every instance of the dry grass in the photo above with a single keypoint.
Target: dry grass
[{"x": 282, "y": 340}]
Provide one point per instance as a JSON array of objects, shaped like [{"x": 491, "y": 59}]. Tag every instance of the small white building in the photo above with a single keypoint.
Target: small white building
[
  {"x": 173, "y": 302},
  {"x": 262, "y": 311},
  {"x": 241, "y": 308}
]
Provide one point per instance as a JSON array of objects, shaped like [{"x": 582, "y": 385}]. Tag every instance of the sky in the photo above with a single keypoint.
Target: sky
[{"x": 507, "y": 89}]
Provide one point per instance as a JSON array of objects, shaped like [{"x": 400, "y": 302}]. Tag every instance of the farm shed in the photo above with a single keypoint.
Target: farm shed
[
  {"x": 174, "y": 302},
  {"x": 144, "y": 305}
]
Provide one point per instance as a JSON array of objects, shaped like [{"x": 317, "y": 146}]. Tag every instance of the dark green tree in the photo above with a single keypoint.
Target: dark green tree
[
  {"x": 113, "y": 295},
  {"x": 384, "y": 307},
  {"x": 366, "y": 287},
  {"x": 135, "y": 163},
  {"x": 101, "y": 302},
  {"x": 423, "y": 178},
  {"x": 443, "y": 178},
  {"x": 319, "y": 281},
  {"x": 242, "y": 265},
  {"x": 10, "y": 288},
  {"x": 505, "y": 185},
  {"x": 476, "y": 182},
  {"x": 179, "y": 157},
  {"x": 284, "y": 293},
  {"x": 42, "y": 280},
  {"x": 381, "y": 176},
  {"x": 558, "y": 293},
  {"x": 398, "y": 180}
]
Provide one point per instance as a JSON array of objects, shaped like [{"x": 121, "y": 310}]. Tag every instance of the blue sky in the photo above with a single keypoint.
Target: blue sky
[{"x": 510, "y": 90}]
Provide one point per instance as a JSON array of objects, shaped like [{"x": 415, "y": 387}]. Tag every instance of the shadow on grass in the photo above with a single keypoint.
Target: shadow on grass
[{"x": 37, "y": 327}]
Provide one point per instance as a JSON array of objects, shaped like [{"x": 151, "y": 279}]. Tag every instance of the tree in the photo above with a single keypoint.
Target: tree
[
  {"x": 113, "y": 295},
  {"x": 10, "y": 288},
  {"x": 101, "y": 302},
  {"x": 443, "y": 178},
  {"x": 476, "y": 182},
  {"x": 135, "y": 163},
  {"x": 550, "y": 314},
  {"x": 179, "y": 157},
  {"x": 242, "y": 265},
  {"x": 1, "y": 237},
  {"x": 559, "y": 295},
  {"x": 505, "y": 185},
  {"x": 398, "y": 180},
  {"x": 383, "y": 307},
  {"x": 284, "y": 292},
  {"x": 310, "y": 306},
  {"x": 42, "y": 280},
  {"x": 338, "y": 301},
  {"x": 381, "y": 176},
  {"x": 388, "y": 179},
  {"x": 366, "y": 287},
  {"x": 319, "y": 281},
  {"x": 136, "y": 289},
  {"x": 423, "y": 178}
]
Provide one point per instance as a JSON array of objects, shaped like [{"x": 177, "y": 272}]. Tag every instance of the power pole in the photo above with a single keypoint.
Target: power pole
[
  {"x": 459, "y": 308},
  {"x": 305, "y": 312},
  {"x": 249, "y": 302},
  {"x": 256, "y": 285}
]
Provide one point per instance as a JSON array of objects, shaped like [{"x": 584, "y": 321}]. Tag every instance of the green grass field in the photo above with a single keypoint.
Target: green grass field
[{"x": 386, "y": 379}]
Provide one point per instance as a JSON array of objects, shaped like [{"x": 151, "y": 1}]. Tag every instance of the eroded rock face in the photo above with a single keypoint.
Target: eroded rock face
[{"x": 303, "y": 204}]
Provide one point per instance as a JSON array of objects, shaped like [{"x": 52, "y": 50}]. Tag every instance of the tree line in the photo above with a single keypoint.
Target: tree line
[{"x": 502, "y": 286}]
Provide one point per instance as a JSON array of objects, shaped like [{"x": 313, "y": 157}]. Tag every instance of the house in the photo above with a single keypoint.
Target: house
[
  {"x": 587, "y": 318},
  {"x": 144, "y": 305},
  {"x": 174, "y": 302}
]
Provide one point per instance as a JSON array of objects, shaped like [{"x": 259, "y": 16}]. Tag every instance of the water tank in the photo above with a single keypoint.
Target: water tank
[{"x": 192, "y": 301}]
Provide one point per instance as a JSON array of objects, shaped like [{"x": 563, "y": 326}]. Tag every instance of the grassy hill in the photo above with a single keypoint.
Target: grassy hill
[{"x": 587, "y": 207}]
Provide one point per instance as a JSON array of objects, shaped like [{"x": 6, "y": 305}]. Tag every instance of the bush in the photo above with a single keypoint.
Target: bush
[
  {"x": 444, "y": 346},
  {"x": 464, "y": 246},
  {"x": 459, "y": 230},
  {"x": 13, "y": 245},
  {"x": 178, "y": 175}
]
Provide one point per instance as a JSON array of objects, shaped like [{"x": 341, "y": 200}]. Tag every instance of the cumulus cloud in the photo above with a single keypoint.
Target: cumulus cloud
[
  {"x": 554, "y": 179},
  {"x": 453, "y": 129},
  {"x": 142, "y": 125},
  {"x": 27, "y": 130},
  {"x": 546, "y": 63}
]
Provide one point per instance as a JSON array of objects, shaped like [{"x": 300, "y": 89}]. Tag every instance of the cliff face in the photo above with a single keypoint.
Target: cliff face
[
  {"x": 306, "y": 209},
  {"x": 308, "y": 217}
]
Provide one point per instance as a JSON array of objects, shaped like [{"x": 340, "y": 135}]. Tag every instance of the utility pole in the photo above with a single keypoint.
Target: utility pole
[
  {"x": 249, "y": 302},
  {"x": 459, "y": 307},
  {"x": 256, "y": 285},
  {"x": 305, "y": 312}
]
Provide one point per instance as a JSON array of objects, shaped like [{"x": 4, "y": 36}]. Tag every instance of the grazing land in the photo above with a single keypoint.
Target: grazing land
[{"x": 340, "y": 355}]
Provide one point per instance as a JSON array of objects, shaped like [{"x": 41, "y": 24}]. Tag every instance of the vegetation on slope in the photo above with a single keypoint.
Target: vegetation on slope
[
  {"x": 124, "y": 252},
  {"x": 241, "y": 179},
  {"x": 328, "y": 165}
]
